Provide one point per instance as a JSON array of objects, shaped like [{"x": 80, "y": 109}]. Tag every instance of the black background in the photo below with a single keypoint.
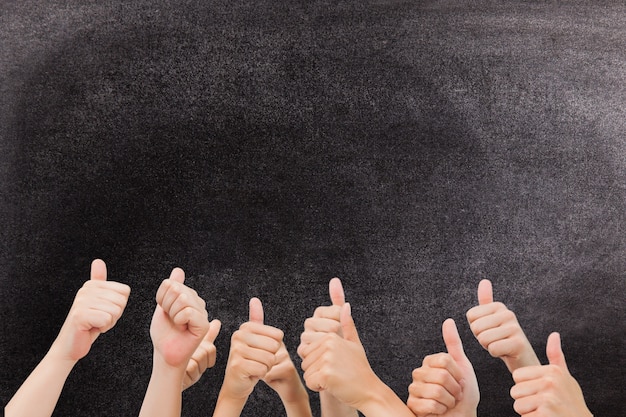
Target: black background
[{"x": 411, "y": 148}]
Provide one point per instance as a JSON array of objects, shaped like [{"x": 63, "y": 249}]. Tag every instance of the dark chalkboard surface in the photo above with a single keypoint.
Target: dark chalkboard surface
[{"x": 411, "y": 148}]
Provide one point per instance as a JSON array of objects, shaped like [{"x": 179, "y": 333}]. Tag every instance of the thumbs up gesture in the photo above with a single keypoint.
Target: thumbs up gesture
[
  {"x": 445, "y": 385},
  {"x": 96, "y": 308},
  {"x": 549, "y": 390},
  {"x": 204, "y": 357},
  {"x": 179, "y": 322},
  {"x": 338, "y": 365},
  {"x": 253, "y": 351},
  {"x": 496, "y": 328},
  {"x": 326, "y": 319}
]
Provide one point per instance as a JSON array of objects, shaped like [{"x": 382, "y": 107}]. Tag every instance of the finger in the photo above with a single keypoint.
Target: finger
[
  {"x": 311, "y": 353},
  {"x": 440, "y": 368},
  {"x": 526, "y": 405},
  {"x": 192, "y": 373},
  {"x": 315, "y": 379},
  {"x": 525, "y": 389},
  {"x": 328, "y": 312},
  {"x": 489, "y": 316},
  {"x": 528, "y": 373},
  {"x": 431, "y": 393},
  {"x": 103, "y": 291},
  {"x": 554, "y": 351},
  {"x": 347, "y": 324},
  {"x": 485, "y": 292},
  {"x": 195, "y": 320},
  {"x": 322, "y": 325},
  {"x": 214, "y": 329},
  {"x": 170, "y": 293},
  {"x": 453, "y": 342},
  {"x": 250, "y": 327},
  {"x": 425, "y": 406},
  {"x": 335, "y": 289},
  {"x": 269, "y": 340},
  {"x": 97, "y": 319},
  {"x": 484, "y": 310},
  {"x": 98, "y": 270},
  {"x": 115, "y": 310},
  {"x": 255, "y": 362},
  {"x": 437, "y": 384},
  {"x": 178, "y": 275},
  {"x": 256, "y": 310}
]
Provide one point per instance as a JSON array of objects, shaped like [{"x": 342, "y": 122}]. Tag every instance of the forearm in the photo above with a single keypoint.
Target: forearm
[
  {"x": 298, "y": 405},
  {"x": 163, "y": 396},
  {"x": 332, "y": 407},
  {"x": 39, "y": 394},
  {"x": 228, "y": 405},
  {"x": 383, "y": 402},
  {"x": 528, "y": 357}
]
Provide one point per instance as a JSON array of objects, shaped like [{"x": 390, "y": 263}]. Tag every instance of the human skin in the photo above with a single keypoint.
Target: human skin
[
  {"x": 204, "y": 357},
  {"x": 179, "y": 325},
  {"x": 257, "y": 353},
  {"x": 445, "y": 385},
  {"x": 97, "y": 307},
  {"x": 549, "y": 390},
  {"x": 497, "y": 330},
  {"x": 326, "y": 319},
  {"x": 339, "y": 365}
]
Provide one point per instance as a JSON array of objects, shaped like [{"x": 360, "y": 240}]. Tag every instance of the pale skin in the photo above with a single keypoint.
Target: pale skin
[
  {"x": 257, "y": 353},
  {"x": 497, "y": 330},
  {"x": 445, "y": 385},
  {"x": 326, "y": 320},
  {"x": 549, "y": 390},
  {"x": 204, "y": 357},
  {"x": 179, "y": 325},
  {"x": 96, "y": 309},
  {"x": 339, "y": 365}
]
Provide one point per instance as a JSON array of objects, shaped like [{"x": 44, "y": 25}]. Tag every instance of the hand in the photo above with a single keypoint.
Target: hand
[
  {"x": 96, "y": 308},
  {"x": 179, "y": 322},
  {"x": 550, "y": 390},
  {"x": 339, "y": 365},
  {"x": 253, "y": 353},
  {"x": 496, "y": 328},
  {"x": 326, "y": 319},
  {"x": 446, "y": 384},
  {"x": 284, "y": 378},
  {"x": 204, "y": 357}
]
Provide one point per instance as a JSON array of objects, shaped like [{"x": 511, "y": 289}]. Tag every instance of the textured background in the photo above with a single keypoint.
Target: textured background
[{"x": 409, "y": 147}]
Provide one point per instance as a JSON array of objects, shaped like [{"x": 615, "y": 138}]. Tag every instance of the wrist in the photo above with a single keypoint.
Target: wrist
[
  {"x": 526, "y": 358},
  {"x": 229, "y": 404},
  {"x": 59, "y": 358},
  {"x": 294, "y": 394},
  {"x": 167, "y": 372},
  {"x": 382, "y": 401}
]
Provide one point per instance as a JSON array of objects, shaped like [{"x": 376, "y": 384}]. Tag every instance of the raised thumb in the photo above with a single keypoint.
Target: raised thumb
[
  {"x": 256, "y": 311},
  {"x": 485, "y": 292},
  {"x": 98, "y": 270},
  {"x": 347, "y": 324},
  {"x": 453, "y": 342},
  {"x": 554, "y": 352},
  {"x": 337, "y": 296},
  {"x": 177, "y": 275}
]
